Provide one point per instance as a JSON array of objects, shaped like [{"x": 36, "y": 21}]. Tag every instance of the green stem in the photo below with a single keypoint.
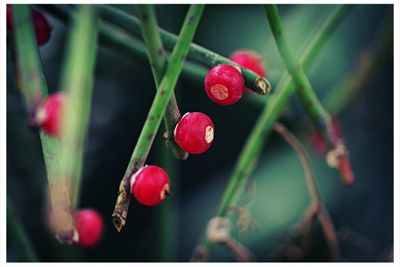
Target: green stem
[
  {"x": 34, "y": 89},
  {"x": 17, "y": 234},
  {"x": 272, "y": 109},
  {"x": 338, "y": 156},
  {"x": 119, "y": 41},
  {"x": 77, "y": 83},
  {"x": 158, "y": 63},
  {"x": 156, "y": 112},
  {"x": 197, "y": 53}
]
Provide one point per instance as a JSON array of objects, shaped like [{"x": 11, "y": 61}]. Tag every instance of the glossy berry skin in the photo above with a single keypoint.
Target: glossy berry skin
[
  {"x": 249, "y": 60},
  {"x": 41, "y": 25},
  {"x": 150, "y": 185},
  {"x": 49, "y": 113},
  {"x": 224, "y": 84},
  {"x": 194, "y": 133},
  {"x": 90, "y": 227}
]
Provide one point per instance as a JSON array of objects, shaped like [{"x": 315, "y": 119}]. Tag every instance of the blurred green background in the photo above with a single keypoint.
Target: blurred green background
[{"x": 123, "y": 92}]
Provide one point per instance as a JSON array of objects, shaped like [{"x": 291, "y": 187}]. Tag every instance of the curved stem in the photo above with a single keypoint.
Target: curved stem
[
  {"x": 197, "y": 53},
  {"x": 156, "y": 112},
  {"x": 158, "y": 63},
  {"x": 17, "y": 234},
  {"x": 318, "y": 115},
  {"x": 271, "y": 111}
]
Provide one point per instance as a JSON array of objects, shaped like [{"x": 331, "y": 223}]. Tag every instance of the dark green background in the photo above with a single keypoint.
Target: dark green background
[{"x": 123, "y": 91}]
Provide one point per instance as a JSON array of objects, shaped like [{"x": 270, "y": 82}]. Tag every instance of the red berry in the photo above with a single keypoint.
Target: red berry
[
  {"x": 90, "y": 227},
  {"x": 317, "y": 141},
  {"x": 249, "y": 60},
  {"x": 224, "y": 84},
  {"x": 150, "y": 185},
  {"x": 49, "y": 112},
  {"x": 194, "y": 133},
  {"x": 42, "y": 27}
]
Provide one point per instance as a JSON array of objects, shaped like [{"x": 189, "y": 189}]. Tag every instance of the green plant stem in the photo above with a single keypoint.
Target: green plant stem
[
  {"x": 17, "y": 234},
  {"x": 119, "y": 41},
  {"x": 156, "y": 112},
  {"x": 34, "y": 89},
  {"x": 317, "y": 204},
  {"x": 197, "y": 53},
  {"x": 158, "y": 63},
  {"x": 318, "y": 115},
  {"x": 77, "y": 83},
  {"x": 344, "y": 92},
  {"x": 271, "y": 111}
]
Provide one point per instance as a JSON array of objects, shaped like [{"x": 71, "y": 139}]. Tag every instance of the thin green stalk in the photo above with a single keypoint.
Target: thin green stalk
[
  {"x": 156, "y": 112},
  {"x": 119, "y": 41},
  {"x": 272, "y": 109},
  {"x": 197, "y": 53},
  {"x": 158, "y": 63},
  {"x": 343, "y": 93},
  {"x": 338, "y": 156},
  {"x": 17, "y": 234},
  {"x": 77, "y": 83},
  {"x": 34, "y": 89}
]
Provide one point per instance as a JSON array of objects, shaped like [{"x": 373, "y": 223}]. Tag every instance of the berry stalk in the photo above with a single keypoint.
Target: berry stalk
[
  {"x": 156, "y": 112},
  {"x": 317, "y": 204},
  {"x": 338, "y": 156},
  {"x": 34, "y": 89},
  {"x": 158, "y": 63},
  {"x": 196, "y": 53},
  {"x": 77, "y": 83},
  {"x": 271, "y": 111},
  {"x": 17, "y": 234}
]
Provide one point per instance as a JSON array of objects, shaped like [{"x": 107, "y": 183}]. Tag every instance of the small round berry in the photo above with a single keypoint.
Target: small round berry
[
  {"x": 249, "y": 60},
  {"x": 42, "y": 26},
  {"x": 194, "y": 133},
  {"x": 49, "y": 112},
  {"x": 150, "y": 185},
  {"x": 224, "y": 84},
  {"x": 90, "y": 227}
]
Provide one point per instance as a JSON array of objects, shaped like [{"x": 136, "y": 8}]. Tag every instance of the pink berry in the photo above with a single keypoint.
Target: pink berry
[
  {"x": 150, "y": 185},
  {"x": 49, "y": 112},
  {"x": 90, "y": 227},
  {"x": 42, "y": 27},
  {"x": 224, "y": 84},
  {"x": 317, "y": 141},
  {"x": 249, "y": 60},
  {"x": 194, "y": 133}
]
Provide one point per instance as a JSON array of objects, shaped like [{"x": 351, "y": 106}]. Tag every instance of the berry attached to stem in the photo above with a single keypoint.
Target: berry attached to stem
[
  {"x": 90, "y": 227},
  {"x": 194, "y": 133},
  {"x": 150, "y": 185},
  {"x": 224, "y": 84},
  {"x": 250, "y": 60},
  {"x": 49, "y": 112}
]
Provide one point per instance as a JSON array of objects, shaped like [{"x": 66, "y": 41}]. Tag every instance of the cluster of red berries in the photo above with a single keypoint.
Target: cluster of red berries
[
  {"x": 41, "y": 25},
  {"x": 224, "y": 83}
]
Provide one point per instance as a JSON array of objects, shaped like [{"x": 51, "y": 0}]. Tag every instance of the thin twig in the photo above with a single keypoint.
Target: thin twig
[
  {"x": 156, "y": 112},
  {"x": 271, "y": 111},
  {"x": 158, "y": 63},
  {"x": 337, "y": 157},
  {"x": 77, "y": 83},
  {"x": 317, "y": 205},
  {"x": 17, "y": 234},
  {"x": 258, "y": 84},
  {"x": 34, "y": 89}
]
